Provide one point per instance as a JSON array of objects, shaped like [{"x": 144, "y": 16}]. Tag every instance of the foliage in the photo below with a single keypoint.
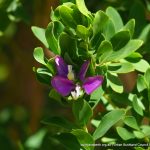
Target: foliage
[{"x": 76, "y": 34}]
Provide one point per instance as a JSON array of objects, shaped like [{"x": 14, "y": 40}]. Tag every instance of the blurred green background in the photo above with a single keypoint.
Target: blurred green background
[{"x": 23, "y": 100}]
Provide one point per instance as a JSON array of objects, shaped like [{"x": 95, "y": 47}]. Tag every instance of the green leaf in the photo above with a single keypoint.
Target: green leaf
[
  {"x": 127, "y": 50},
  {"x": 39, "y": 55},
  {"x": 134, "y": 57},
  {"x": 35, "y": 141},
  {"x": 82, "y": 111},
  {"x": 125, "y": 134},
  {"x": 96, "y": 40},
  {"x": 66, "y": 15},
  {"x": 145, "y": 33},
  {"x": 43, "y": 75},
  {"x": 84, "y": 138},
  {"x": 95, "y": 123},
  {"x": 107, "y": 122},
  {"x": 95, "y": 96},
  {"x": 123, "y": 67},
  {"x": 114, "y": 82},
  {"x": 131, "y": 122},
  {"x": 51, "y": 65},
  {"x": 139, "y": 134},
  {"x": 146, "y": 130},
  {"x": 58, "y": 121},
  {"x": 99, "y": 21},
  {"x": 108, "y": 30},
  {"x": 52, "y": 33},
  {"x": 44, "y": 71},
  {"x": 147, "y": 78},
  {"x": 120, "y": 39},
  {"x": 82, "y": 8},
  {"x": 66, "y": 47},
  {"x": 141, "y": 85},
  {"x": 104, "y": 49},
  {"x": 69, "y": 141},
  {"x": 83, "y": 32},
  {"x": 130, "y": 25},
  {"x": 141, "y": 65},
  {"x": 115, "y": 17},
  {"x": 40, "y": 34},
  {"x": 137, "y": 105},
  {"x": 139, "y": 15}
]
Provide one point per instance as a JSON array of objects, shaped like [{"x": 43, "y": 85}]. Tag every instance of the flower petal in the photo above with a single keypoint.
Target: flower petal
[
  {"x": 83, "y": 70},
  {"x": 62, "y": 85},
  {"x": 92, "y": 83},
  {"x": 61, "y": 66}
]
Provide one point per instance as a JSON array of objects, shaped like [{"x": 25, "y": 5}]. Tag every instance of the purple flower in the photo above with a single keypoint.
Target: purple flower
[{"x": 64, "y": 81}]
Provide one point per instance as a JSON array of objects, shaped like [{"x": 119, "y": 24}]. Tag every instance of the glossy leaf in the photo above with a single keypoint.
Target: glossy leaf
[
  {"x": 141, "y": 85},
  {"x": 134, "y": 57},
  {"x": 147, "y": 78},
  {"x": 40, "y": 34},
  {"x": 104, "y": 49},
  {"x": 83, "y": 9},
  {"x": 52, "y": 32},
  {"x": 43, "y": 75},
  {"x": 39, "y": 55},
  {"x": 107, "y": 122},
  {"x": 84, "y": 138},
  {"x": 130, "y": 25},
  {"x": 35, "y": 141},
  {"x": 67, "y": 17},
  {"x": 109, "y": 30},
  {"x": 115, "y": 17},
  {"x": 139, "y": 134},
  {"x": 66, "y": 47},
  {"x": 131, "y": 122},
  {"x": 99, "y": 21},
  {"x": 83, "y": 32},
  {"x": 82, "y": 111},
  {"x": 114, "y": 82},
  {"x": 138, "y": 106},
  {"x": 146, "y": 130},
  {"x": 120, "y": 39},
  {"x": 95, "y": 96},
  {"x": 123, "y": 67},
  {"x": 127, "y": 50},
  {"x": 141, "y": 65},
  {"x": 137, "y": 11},
  {"x": 145, "y": 33},
  {"x": 125, "y": 134}
]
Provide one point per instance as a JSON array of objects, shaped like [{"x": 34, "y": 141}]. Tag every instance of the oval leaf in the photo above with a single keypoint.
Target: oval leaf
[
  {"x": 84, "y": 138},
  {"x": 82, "y": 8},
  {"x": 82, "y": 111},
  {"x": 51, "y": 39},
  {"x": 131, "y": 122},
  {"x": 107, "y": 122},
  {"x": 39, "y": 55},
  {"x": 115, "y": 17},
  {"x": 120, "y": 39},
  {"x": 125, "y": 134},
  {"x": 40, "y": 34}
]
